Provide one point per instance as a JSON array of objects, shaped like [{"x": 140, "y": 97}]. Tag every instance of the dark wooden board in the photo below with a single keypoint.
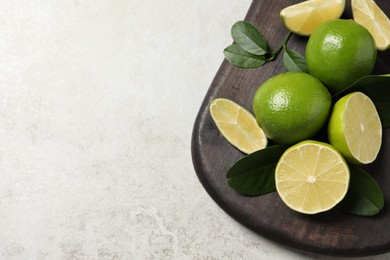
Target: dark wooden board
[{"x": 330, "y": 233}]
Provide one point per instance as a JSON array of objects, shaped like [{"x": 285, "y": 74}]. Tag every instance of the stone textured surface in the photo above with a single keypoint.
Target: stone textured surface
[{"x": 97, "y": 103}]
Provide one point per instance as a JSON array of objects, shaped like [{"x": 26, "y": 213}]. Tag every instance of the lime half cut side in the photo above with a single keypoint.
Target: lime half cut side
[
  {"x": 311, "y": 177},
  {"x": 237, "y": 125},
  {"x": 355, "y": 128}
]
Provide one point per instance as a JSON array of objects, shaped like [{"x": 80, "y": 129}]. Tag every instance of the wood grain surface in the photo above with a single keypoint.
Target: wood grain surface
[{"x": 330, "y": 233}]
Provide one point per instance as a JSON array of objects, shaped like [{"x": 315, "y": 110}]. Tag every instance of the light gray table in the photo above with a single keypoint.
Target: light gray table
[{"x": 97, "y": 104}]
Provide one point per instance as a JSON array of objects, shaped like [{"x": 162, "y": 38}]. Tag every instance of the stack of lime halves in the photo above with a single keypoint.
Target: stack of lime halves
[{"x": 293, "y": 107}]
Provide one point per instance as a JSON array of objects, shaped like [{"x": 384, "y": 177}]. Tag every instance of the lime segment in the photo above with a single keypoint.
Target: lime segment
[
  {"x": 368, "y": 14},
  {"x": 237, "y": 125},
  {"x": 303, "y": 18}
]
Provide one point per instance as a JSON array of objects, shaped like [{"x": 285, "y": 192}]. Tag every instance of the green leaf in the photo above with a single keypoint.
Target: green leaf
[
  {"x": 254, "y": 174},
  {"x": 294, "y": 61},
  {"x": 249, "y": 38},
  {"x": 377, "y": 87},
  {"x": 240, "y": 58},
  {"x": 364, "y": 196}
]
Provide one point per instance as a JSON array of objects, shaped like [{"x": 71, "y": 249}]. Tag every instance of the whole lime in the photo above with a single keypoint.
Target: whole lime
[
  {"x": 339, "y": 52},
  {"x": 291, "y": 107}
]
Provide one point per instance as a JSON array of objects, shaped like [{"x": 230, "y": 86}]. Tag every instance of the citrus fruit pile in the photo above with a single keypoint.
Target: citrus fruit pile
[{"x": 292, "y": 108}]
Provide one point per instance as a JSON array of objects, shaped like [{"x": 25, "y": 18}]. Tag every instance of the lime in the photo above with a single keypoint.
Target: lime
[
  {"x": 355, "y": 128},
  {"x": 311, "y": 177},
  {"x": 368, "y": 14},
  {"x": 303, "y": 18},
  {"x": 340, "y": 52},
  {"x": 237, "y": 125},
  {"x": 291, "y": 107}
]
